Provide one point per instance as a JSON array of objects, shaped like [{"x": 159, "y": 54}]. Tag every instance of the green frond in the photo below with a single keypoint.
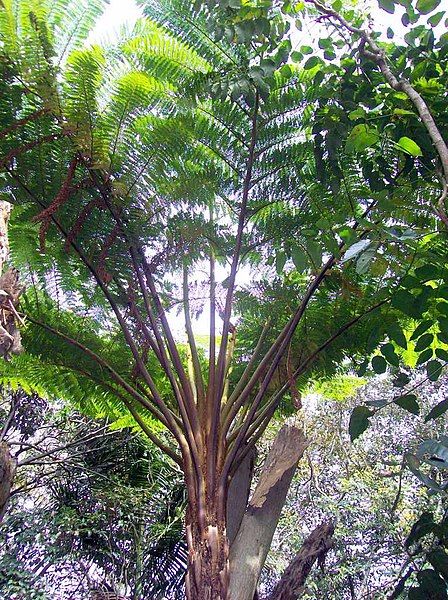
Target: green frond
[
  {"x": 176, "y": 16},
  {"x": 71, "y": 22},
  {"x": 83, "y": 77},
  {"x": 167, "y": 58}
]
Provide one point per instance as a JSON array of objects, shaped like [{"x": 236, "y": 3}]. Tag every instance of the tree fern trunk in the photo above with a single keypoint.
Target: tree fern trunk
[
  {"x": 9, "y": 343},
  {"x": 7, "y": 471},
  {"x": 208, "y": 561},
  {"x": 10, "y": 291}
]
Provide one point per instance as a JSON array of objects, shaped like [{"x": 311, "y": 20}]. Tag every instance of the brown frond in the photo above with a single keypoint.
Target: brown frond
[
  {"x": 32, "y": 117},
  {"x": 61, "y": 197},
  {"x": 29, "y": 146},
  {"x": 109, "y": 242},
  {"x": 81, "y": 219}
]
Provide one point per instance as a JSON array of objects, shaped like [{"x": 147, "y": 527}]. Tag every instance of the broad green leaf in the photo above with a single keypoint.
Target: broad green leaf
[
  {"x": 401, "y": 380},
  {"x": 379, "y": 365},
  {"x": 431, "y": 585},
  {"x": 437, "y": 411},
  {"x": 387, "y": 5},
  {"x": 421, "y": 528},
  {"x": 280, "y": 261},
  {"x": 396, "y": 334},
  {"x": 286, "y": 71},
  {"x": 409, "y": 146},
  {"x": 409, "y": 403},
  {"x": 443, "y": 324},
  {"x": 403, "y": 111},
  {"x": 424, "y": 7},
  {"x": 414, "y": 465},
  {"x": 428, "y": 272},
  {"x": 442, "y": 354},
  {"x": 364, "y": 260},
  {"x": 442, "y": 307},
  {"x": 359, "y": 421},
  {"x": 361, "y": 137},
  {"x": 379, "y": 266},
  {"x": 433, "y": 448},
  {"x": 312, "y": 62},
  {"x": 358, "y": 113},
  {"x": 362, "y": 368},
  {"x": 315, "y": 252},
  {"x": 434, "y": 370},
  {"x": 435, "y": 19},
  {"x": 299, "y": 258},
  {"x": 373, "y": 339},
  {"x": 422, "y": 327},
  {"x": 442, "y": 337},
  {"x": 424, "y": 356},
  {"x": 356, "y": 249},
  {"x": 439, "y": 560},
  {"x": 388, "y": 351},
  {"x": 406, "y": 302},
  {"x": 325, "y": 43},
  {"x": 424, "y": 342}
]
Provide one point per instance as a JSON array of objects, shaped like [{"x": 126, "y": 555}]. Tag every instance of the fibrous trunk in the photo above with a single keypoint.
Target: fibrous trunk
[
  {"x": 7, "y": 471},
  {"x": 10, "y": 291},
  {"x": 208, "y": 554}
]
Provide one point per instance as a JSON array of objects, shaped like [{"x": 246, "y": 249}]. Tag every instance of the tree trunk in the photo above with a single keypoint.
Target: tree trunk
[
  {"x": 315, "y": 547},
  {"x": 9, "y": 343},
  {"x": 7, "y": 471},
  {"x": 238, "y": 495},
  {"x": 10, "y": 291},
  {"x": 208, "y": 555},
  {"x": 251, "y": 546},
  {"x": 5, "y": 211}
]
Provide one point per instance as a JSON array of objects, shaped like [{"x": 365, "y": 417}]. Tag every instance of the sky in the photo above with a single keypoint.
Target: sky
[{"x": 118, "y": 13}]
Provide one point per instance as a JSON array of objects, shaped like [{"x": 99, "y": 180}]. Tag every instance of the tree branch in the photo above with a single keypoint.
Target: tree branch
[
  {"x": 170, "y": 422},
  {"x": 236, "y": 254},
  {"x": 377, "y": 55},
  {"x": 315, "y": 547},
  {"x": 263, "y": 418},
  {"x": 249, "y": 550},
  {"x": 159, "y": 414},
  {"x": 191, "y": 341}
]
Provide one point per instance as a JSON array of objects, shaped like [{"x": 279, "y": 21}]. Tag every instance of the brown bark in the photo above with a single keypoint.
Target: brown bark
[
  {"x": 208, "y": 556},
  {"x": 10, "y": 291},
  {"x": 314, "y": 548},
  {"x": 250, "y": 548},
  {"x": 7, "y": 471}
]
